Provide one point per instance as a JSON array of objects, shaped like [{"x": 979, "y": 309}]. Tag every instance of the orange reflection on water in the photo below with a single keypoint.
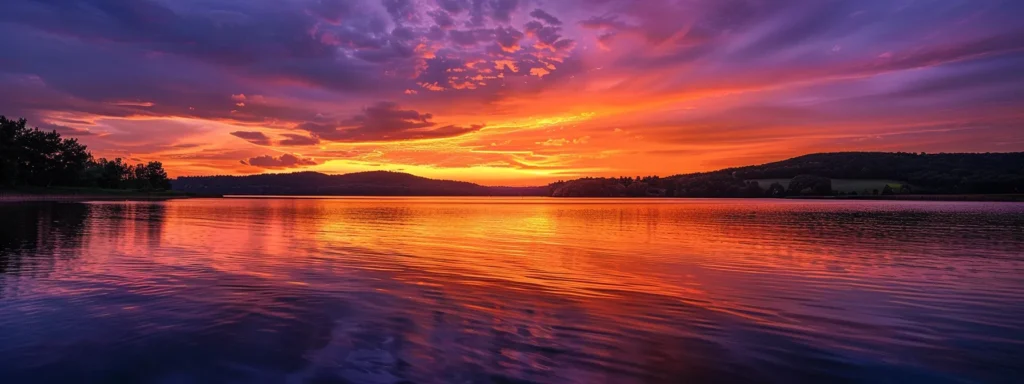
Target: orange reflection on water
[
  {"x": 723, "y": 255},
  {"x": 550, "y": 290}
]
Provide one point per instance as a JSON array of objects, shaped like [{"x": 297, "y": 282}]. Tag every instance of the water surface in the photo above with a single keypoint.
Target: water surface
[{"x": 457, "y": 290}]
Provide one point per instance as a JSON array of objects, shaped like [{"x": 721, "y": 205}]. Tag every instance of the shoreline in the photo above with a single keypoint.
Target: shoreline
[
  {"x": 17, "y": 196},
  {"x": 1010, "y": 198},
  {"x": 961, "y": 197},
  {"x": 82, "y": 198}
]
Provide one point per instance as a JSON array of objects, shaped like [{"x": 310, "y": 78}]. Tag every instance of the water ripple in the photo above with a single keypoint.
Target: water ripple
[{"x": 439, "y": 290}]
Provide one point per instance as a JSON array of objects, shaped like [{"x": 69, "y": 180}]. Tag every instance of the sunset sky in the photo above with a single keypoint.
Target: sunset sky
[{"x": 513, "y": 92}]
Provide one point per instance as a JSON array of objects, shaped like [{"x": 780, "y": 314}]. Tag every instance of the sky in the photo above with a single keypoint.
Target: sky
[{"x": 513, "y": 92}]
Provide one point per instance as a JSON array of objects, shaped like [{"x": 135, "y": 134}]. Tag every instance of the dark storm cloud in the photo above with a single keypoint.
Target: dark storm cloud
[
  {"x": 254, "y": 137},
  {"x": 279, "y": 162},
  {"x": 384, "y": 121}
]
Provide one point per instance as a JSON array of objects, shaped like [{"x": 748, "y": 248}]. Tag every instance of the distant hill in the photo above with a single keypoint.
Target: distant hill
[
  {"x": 946, "y": 173},
  {"x": 815, "y": 174},
  {"x": 377, "y": 183}
]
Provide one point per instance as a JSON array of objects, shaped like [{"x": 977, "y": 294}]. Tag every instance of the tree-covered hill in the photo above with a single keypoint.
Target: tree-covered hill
[
  {"x": 377, "y": 183},
  {"x": 944, "y": 173}
]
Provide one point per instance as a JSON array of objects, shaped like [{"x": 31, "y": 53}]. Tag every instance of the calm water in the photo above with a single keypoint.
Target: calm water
[{"x": 511, "y": 291}]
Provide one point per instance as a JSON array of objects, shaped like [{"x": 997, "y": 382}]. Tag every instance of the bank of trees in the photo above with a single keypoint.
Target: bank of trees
[
  {"x": 30, "y": 157},
  {"x": 944, "y": 173},
  {"x": 699, "y": 185},
  {"x": 940, "y": 173}
]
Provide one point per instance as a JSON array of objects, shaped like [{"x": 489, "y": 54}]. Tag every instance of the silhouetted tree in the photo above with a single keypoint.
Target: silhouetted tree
[
  {"x": 112, "y": 174},
  {"x": 31, "y": 157},
  {"x": 151, "y": 177},
  {"x": 10, "y": 149}
]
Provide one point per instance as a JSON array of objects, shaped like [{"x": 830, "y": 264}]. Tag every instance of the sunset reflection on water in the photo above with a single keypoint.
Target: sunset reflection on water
[{"x": 493, "y": 290}]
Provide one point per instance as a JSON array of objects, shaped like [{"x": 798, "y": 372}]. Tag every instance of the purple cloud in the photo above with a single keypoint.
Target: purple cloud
[
  {"x": 257, "y": 138},
  {"x": 471, "y": 37},
  {"x": 292, "y": 139},
  {"x": 508, "y": 38},
  {"x": 454, "y": 6},
  {"x": 384, "y": 121},
  {"x": 279, "y": 162},
  {"x": 540, "y": 14}
]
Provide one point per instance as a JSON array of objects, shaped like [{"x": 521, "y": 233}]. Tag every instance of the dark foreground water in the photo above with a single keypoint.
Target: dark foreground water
[{"x": 511, "y": 291}]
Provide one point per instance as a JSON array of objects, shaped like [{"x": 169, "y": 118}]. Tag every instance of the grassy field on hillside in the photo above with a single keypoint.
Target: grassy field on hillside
[{"x": 843, "y": 185}]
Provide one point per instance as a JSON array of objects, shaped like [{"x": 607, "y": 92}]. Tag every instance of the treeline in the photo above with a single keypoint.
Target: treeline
[
  {"x": 955, "y": 173},
  {"x": 928, "y": 173},
  {"x": 30, "y": 157},
  {"x": 702, "y": 185}
]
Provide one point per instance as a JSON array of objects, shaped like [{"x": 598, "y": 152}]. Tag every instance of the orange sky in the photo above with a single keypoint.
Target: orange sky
[{"x": 509, "y": 92}]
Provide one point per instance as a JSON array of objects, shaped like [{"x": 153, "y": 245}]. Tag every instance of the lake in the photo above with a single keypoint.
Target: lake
[{"x": 505, "y": 290}]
